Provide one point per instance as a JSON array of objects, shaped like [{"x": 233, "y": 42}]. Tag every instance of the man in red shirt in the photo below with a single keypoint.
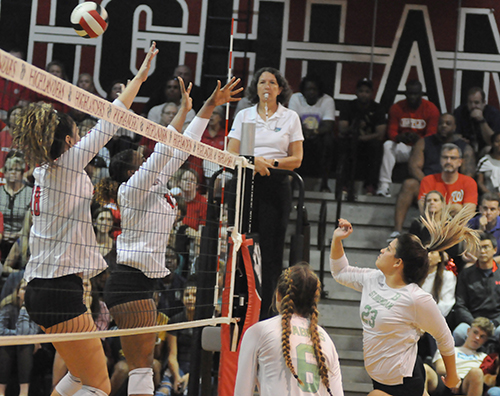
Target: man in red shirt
[
  {"x": 458, "y": 190},
  {"x": 409, "y": 120}
]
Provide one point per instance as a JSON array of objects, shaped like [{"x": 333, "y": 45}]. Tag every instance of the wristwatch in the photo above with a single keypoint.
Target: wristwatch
[{"x": 276, "y": 163}]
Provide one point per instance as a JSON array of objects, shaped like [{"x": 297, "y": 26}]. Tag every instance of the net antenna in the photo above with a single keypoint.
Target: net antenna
[
  {"x": 218, "y": 286},
  {"x": 41, "y": 82}
]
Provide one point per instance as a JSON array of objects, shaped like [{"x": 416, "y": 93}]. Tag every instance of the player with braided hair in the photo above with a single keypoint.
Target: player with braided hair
[
  {"x": 63, "y": 245},
  {"x": 395, "y": 311},
  {"x": 290, "y": 353}
]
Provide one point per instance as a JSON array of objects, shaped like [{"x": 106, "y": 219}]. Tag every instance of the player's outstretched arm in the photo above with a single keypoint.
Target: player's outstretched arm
[
  {"x": 220, "y": 96},
  {"x": 341, "y": 232},
  {"x": 130, "y": 92},
  {"x": 186, "y": 106}
]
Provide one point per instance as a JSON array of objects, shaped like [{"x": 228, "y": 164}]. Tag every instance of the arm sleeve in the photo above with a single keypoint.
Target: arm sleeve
[
  {"x": 425, "y": 308},
  {"x": 447, "y": 294},
  {"x": 432, "y": 120},
  {"x": 194, "y": 131},
  {"x": 328, "y": 108},
  {"x": 470, "y": 191},
  {"x": 247, "y": 363},
  {"x": 346, "y": 275},
  {"x": 462, "y": 312},
  {"x": 235, "y": 132},
  {"x": 393, "y": 127},
  {"x": 78, "y": 156},
  {"x": 424, "y": 187},
  {"x": 293, "y": 104},
  {"x": 296, "y": 134}
]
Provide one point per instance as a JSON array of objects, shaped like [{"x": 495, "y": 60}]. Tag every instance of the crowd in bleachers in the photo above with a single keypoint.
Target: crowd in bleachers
[{"x": 452, "y": 158}]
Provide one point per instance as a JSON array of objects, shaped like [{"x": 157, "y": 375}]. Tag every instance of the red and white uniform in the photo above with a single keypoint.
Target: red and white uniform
[
  {"x": 261, "y": 359},
  {"x": 463, "y": 191},
  {"x": 62, "y": 239},
  {"x": 147, "y": 209},
  {"x": 393, "y": 321}
]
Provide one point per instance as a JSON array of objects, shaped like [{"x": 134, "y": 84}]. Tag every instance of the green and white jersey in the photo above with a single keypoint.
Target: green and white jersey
[{"x": 261, "y": 361}]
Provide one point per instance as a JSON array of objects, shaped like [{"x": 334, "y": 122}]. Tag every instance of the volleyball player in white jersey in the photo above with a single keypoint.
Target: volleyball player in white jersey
[
  {"x": 62, "y": 242},
  {"x": 290, "y": 354},
  {"x": 395, "y": 311},
  {"x": 148, "y": 212}
]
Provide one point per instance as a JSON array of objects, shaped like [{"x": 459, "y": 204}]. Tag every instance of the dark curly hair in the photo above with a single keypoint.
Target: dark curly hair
[{"x": 286, "y": 91}]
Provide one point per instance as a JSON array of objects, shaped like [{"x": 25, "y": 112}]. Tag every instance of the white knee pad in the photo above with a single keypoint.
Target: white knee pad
[
  {"x": 68, "y": 385},
  {"x": 90, "y": 391},
  {"x": 140, "y": 381}
]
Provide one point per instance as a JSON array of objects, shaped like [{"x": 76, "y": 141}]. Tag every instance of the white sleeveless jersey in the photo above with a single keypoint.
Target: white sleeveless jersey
[
  {"x": 261, "y": 361},
  {"x": 62, "y": 239},
  {"x": 148, "y": 210}
]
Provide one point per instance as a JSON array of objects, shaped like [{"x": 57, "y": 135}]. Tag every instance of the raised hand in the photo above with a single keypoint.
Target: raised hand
[
  {"x": 225, "y": 94},
  {"x": 143, "y": 72},
  {"x": 343, "y": 230},
  {"x": 186, "y": 100}
]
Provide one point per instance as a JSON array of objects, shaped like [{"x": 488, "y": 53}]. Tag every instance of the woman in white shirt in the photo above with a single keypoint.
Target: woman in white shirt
[
  {"x": 63, "y": 245},
  {"x": 290, "y": 354},
  {"x": 278, "y": 145},
  {"x": 395, "y": 310}
]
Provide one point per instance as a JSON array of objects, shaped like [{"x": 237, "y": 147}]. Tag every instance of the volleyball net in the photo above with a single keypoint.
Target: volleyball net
[{"x": 189, "y": 223}]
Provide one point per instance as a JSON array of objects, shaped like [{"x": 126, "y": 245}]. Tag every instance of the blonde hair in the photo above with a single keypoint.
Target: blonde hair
[{"x": 39, "y": 132}]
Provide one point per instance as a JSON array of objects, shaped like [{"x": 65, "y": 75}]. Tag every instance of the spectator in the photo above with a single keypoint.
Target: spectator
[
  {"x": 15, "y": 321},
  {"x": 478, "y": 290},
  {"x": 12, "y": 93},
  {"x": 488, "y": 219},
  {"x": 468, "y": 360},
  {"x": 179, "y": 346},
  {"x": 409, "y": 119},
  {"x": 171, "y": 287},
  {"x": 168, "y": 112},
  {"x": 15, "y": 197},
  {"x": 171, "y": 93},
  {"x": 316, "y": 110},
  {"x": 56, "y": 68},
  {"x": 477, "y": 121},
  {"x": 425, "y": 159},
  {"x": 86, "y": 82},
  {"x": 196, "y": 204},
  {"x": 19, "y": 253},
  {"x": 103, "y": 227},
  {"x": 459, "y": 190},
  {"x": 434, "y": 203},
  {"x": 362, "y": 128},
  {"x": 196, "y": 93},
  {"x": 488, "y": 168},
  {"x": 440, "y": 283},
  {"x": 6, "y": 135}
]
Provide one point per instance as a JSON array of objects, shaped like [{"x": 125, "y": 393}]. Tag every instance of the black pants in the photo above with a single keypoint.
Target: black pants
[
  {"x": 271, "y": 209},
  {"x": 318, "y": 157},
  {"x": 22, "y": 357}
]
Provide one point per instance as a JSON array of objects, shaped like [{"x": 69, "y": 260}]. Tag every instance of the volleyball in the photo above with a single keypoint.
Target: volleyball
[{"x": 89, "y": 19}]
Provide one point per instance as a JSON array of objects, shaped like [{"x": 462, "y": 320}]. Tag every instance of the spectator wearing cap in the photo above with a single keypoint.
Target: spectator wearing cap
[
  {"x": 362, "y": 128},
  {"x": 409, "y": 120},
  {"x": 317, "y": 115}
]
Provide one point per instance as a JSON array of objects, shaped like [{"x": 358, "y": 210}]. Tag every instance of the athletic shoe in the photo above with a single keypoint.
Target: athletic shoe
[
  {"x": 369, "y": 190},
  {"x": 384, "y": 191},
  {"x": 393, "y": 236}
]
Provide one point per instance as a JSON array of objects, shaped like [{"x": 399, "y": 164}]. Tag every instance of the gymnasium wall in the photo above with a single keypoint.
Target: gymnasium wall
[{"x": 413, "y": 39}]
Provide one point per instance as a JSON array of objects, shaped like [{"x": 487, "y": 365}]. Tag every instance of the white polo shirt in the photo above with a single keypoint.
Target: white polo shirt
[{"x": 272, "y": 137}]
